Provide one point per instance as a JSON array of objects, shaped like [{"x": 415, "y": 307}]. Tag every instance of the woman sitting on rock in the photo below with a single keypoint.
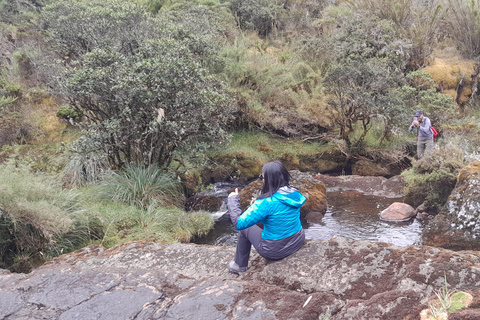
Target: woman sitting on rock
[{"x": 278, "y": 209}]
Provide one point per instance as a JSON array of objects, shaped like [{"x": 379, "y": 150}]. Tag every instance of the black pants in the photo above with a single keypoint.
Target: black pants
[{"x": 269, "y": 249}]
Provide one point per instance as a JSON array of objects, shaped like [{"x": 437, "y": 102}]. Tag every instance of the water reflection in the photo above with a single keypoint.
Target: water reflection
[
  {"x": 350, "y": 214},
  {"x": 353, "y": 215}
]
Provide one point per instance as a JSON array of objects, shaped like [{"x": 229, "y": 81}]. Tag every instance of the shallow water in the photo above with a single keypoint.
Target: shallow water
[
  {"x": 350, "y": 214},
  {"x": 353, "y": 215}
]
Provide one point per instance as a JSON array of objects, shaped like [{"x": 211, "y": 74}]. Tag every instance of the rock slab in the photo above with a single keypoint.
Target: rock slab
[
  {"x": 342, "y": 278},
  {"x": 458, "y": 224}
]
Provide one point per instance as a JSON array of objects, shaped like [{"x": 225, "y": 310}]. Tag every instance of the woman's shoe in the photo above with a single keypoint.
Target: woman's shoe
[{"x": 235, "y": 268}]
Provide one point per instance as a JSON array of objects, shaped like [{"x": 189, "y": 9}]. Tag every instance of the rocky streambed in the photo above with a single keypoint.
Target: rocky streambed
[
  {"x": 347, "y": 206},
  {"x": 333, "y": 279}
]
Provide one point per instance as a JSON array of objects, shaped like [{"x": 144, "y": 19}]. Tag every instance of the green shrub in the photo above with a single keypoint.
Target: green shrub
[
  {"x": 258, "y": 15},
  {"x": 144, "y": 83},
  {"x": 420, "y": 93},
  {"x": 143, "y": 187},
  {"x": 88, "y": 162},
  {"x": 67, "y": 113},
  {"x": 417, "y": 20},
  {"x": 9, "y": 88},
  {"x": 6, "y": 101},
  {"x": 368, "y": 56},
  {"x": 464, "y": 26},
  {"x": 154, "y": 6},
  {"x": 13, "y": 129}
]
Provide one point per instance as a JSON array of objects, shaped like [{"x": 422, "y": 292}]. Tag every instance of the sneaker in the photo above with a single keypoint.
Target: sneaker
[{"x": 235, "y": 268}]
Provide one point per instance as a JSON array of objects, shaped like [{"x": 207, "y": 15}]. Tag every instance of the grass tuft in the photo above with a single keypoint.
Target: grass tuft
[
  {"x": 143, "y": 187},
  {"x": 39, "y": 218}
]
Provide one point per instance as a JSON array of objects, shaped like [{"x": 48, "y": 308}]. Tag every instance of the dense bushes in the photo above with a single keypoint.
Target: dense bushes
[
  {"x": 145, "y": 77},
  {"x": 141, "y": 85},
  {"x": 121, "y": 26},
  {"x": 368, "y": 59},
  {"x": 418, "y": 21},
  {"x": 258, "y": 15},
  {"x": 145, "y": 106},
  {"x": 464, "y": 26}
]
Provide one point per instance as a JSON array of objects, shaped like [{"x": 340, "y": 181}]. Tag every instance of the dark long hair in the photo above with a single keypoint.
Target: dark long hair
[{"x": 275, "y": 176}]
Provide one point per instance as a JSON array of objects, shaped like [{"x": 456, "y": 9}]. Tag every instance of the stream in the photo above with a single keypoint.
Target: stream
[{"x": 350, "y": 214}]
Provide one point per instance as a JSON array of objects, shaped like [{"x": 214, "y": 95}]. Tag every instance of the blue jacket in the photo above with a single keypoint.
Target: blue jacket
[{"x": 279, "y": 214}]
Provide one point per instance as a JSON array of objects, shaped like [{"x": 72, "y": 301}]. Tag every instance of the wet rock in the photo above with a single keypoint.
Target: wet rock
[
  {"x": 377, "y": 186},
  {"x": 205, "y": 203},
  {"x": 329, "y": 159},
  {"x": 314, "y": 190},
  {"x": 425, "y": 213},
  {"x": 398, "y": 211},
  {"x": 314, "y": 216},
  {"x": 472, "y": 314},
  {"x": 458, "y": 225},
  {"x": 344, "y": 278},
  {"x": 369, "y": 168}
]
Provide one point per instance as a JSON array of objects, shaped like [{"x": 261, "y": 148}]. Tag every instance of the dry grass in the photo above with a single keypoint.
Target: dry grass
[{"x": 452, "y": 73}]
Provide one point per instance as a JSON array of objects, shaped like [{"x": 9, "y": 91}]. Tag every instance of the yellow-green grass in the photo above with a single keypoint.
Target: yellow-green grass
[{"x": 39, "y": 219}]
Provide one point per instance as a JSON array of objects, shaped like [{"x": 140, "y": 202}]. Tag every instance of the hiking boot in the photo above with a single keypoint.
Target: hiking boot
[{"x": 235, "y": 268}]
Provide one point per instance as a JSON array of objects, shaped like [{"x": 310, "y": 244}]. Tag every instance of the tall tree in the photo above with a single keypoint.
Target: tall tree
[
  {"x": 141, "y": 86},
  {"x": 369, "y": 59}
]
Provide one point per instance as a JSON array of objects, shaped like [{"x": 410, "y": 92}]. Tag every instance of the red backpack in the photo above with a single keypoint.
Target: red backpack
[{"x": 435, "y": 133}]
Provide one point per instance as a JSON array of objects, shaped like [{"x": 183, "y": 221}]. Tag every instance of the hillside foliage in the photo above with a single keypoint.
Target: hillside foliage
[{"x": 129, "y": 94}]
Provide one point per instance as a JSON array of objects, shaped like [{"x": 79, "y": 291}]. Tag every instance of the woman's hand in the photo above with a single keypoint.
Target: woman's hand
[{"x": 234, "y": 193}]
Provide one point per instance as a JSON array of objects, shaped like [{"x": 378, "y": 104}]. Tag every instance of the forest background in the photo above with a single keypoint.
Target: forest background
[{"x": 112, "y": 113}]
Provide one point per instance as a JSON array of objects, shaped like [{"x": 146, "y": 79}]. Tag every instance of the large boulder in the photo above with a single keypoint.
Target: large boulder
[
  {"x": 398, "y": 211},
  {"x": 338, "y": 279},
  {"x": 314, "y": 190},
  {"x": 458, "y": 225}
]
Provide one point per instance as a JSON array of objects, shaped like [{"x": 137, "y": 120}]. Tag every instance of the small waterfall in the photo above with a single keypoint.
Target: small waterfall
[{"x": 220, "y": 190}]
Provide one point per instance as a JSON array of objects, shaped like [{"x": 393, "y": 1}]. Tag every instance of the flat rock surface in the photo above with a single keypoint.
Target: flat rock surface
[
  {"x": 343, "y": 278},
  {"x": 377, "y": 186}
]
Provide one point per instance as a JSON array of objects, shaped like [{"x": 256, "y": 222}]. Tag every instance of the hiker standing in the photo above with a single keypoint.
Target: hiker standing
[
  {"x": 278, "y": 209},
  {"x": 424, "y": 133}
]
